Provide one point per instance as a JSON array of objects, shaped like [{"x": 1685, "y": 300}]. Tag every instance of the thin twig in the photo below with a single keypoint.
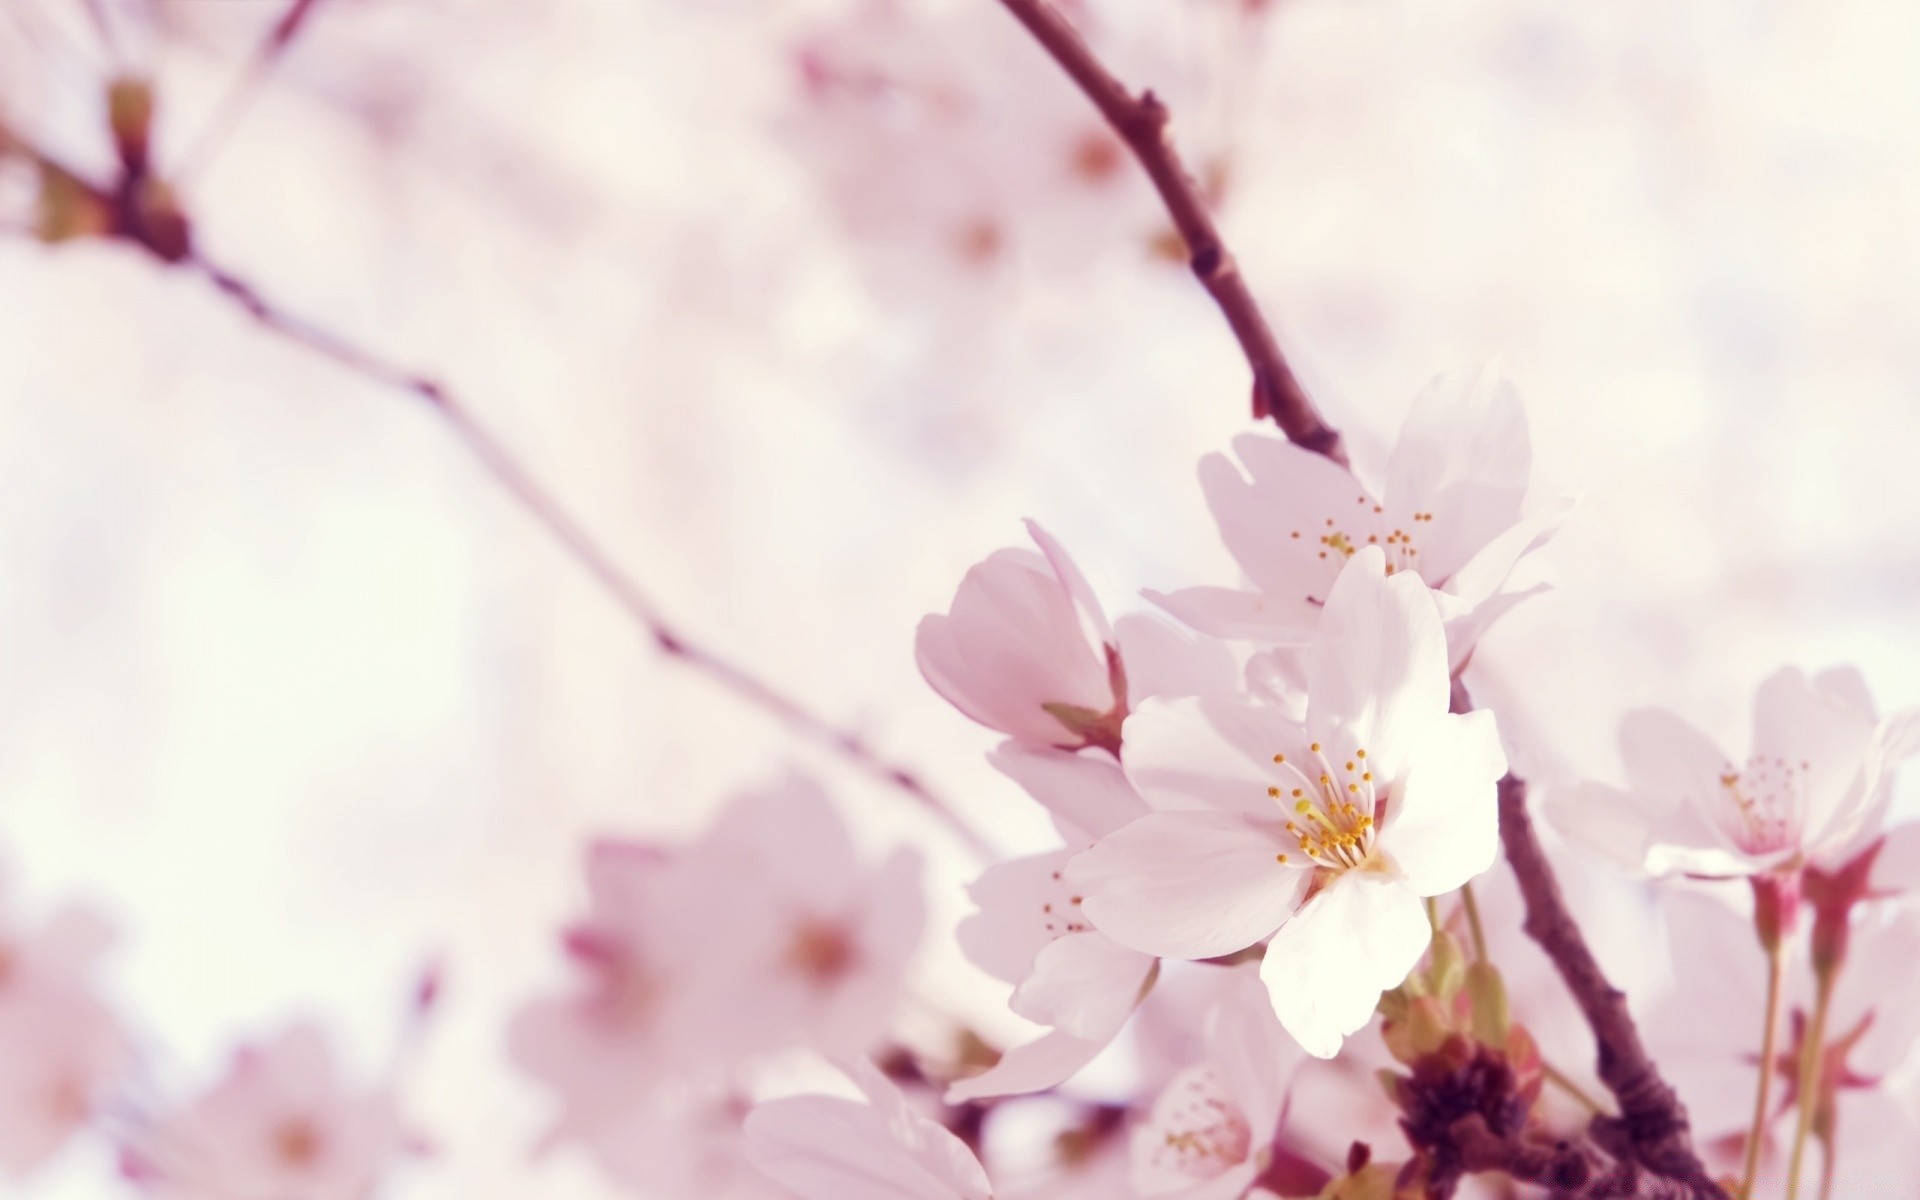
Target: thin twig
[
  {"x": 1571, "y": 1169},
  {"x": 506, "y": 470},
  {"x": 245, "y": 88},
  {"x": 1141, "y": 122}
]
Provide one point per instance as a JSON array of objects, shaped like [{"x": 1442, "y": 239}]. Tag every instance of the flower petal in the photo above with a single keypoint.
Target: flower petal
[
  {"x": 1327, "y": 966},
  {"x": 1442, "y": 827},
  {"x": 1189, "y": 884},
  {"x": 1085, "y": 984},
  {"x": 1378, "y": 667},
  {"x": 1208, "y": 752},
  {"x": 1046, "y": 1062},
  {"x": 1087, "y": 794}
]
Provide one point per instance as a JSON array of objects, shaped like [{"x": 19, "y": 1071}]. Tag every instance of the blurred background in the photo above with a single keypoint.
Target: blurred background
[{"x": 800, "y": 306}]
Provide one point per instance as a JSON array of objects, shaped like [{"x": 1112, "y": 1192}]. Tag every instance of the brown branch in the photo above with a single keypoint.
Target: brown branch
[
  {"x": 171, "y": 243},
  {"x": 1652, "y": 1126},
  {"x": 1141, "y": 122},
  {"x": 513, "y": 477},
  {"x": 1573, "y": 1169},
  {"x": 240, "y": 95}
]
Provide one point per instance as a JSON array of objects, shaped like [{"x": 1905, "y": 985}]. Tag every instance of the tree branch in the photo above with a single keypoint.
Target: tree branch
[
  {"x": 171, "y": 243},
  {"x": 1571, "y": 1169},
  {"x": 513, "y": 477},
  {"x": 1141, "y": 122},
  {"x": 1652, "y": 1126}
]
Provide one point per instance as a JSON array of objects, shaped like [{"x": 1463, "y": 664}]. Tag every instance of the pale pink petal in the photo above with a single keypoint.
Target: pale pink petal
[
  {"x": 1463, "y": 455},
  {"x": 1442, "y": 825},
  {"x": 1845, "y": 685},
  {"x": 1196, "y": 1143},
  {"x": 1190, "y": 884},
  {"x": 1085, "y": 984},
  {"x": 1209, "y": 752},
  {"x": 1252, "y": 1054},
  {"x": 1326, "y": 968},
  {"x": 1085, "y": 603},
  {"x": 1165, "y": 660},
  {"x": 1285, "y": 492},
  {"x": 790, "y": 836},
  {"x": 824, "y": 1148},
  {"x": 1896, "y": 868},
  {"x": 1087, "y": 794},
  {"x": 1046, "y": 1062},
  {"x": 1817, "y": 745},
  {"x": 1025, "y": 903},
  {"x": 1378, "y": 668},
  {"x": 1239, "y": 614}
]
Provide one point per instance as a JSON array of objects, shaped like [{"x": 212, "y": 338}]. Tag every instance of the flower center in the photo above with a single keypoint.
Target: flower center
[
  {"x": 1766, "y": 803},
  {"x": 1202, "y": 1132},
  {"x": 822, "y": 952},
  {"x": 1333, "y": 808},
  {"x": 1338, "y": 538}
]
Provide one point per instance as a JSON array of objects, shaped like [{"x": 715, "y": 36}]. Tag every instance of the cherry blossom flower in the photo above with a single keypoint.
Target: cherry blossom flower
[
  {"x": 1029, "y": 930},
  {"x": 282, "y": 1125},
  {"x": 60, "y": 1046},
  {"x": 1381, "y": 798},
  {"x": 1709, "y": 1049},
  {"x": 1027, "y": 650},
  {"x": 1211, "y": 1132},
  {"x": 1450, "y": 513},
  {"x": 1813, "y": 791},
  {"x": 767, "y": 933},
  {"x": 828, "y": 1148}
]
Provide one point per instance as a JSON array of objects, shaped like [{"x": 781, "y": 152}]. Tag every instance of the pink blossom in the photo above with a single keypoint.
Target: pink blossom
[
  {"x": 1328, "y": 832},
  {"x": 60, "y": 1046},
  {"x": 1027, "y": 650},
  {"x": 1710, "y": 1049},
  {"x": 827, "y": 1148},
  {"x": 1211, "y": 1132},
  {"x": 1029, "y": 930},
  {"x": 282, "y": 1125},
  {"x": 1813, "y": 791},
  {"x": 1450, "y": 513},
  {"x": 767, "y": 933}
]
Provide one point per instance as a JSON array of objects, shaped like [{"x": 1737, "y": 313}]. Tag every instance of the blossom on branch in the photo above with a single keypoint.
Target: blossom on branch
[
  {"x": 282, "y": 1124},
  {"x": 1450, "y": 513},
  {"x": 1813, "y": 792},
  {"x": 1324, "y": 834}
]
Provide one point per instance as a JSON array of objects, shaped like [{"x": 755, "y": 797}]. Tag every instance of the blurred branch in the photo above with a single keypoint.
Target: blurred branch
[
  {"x": 1571, "y": 1169},
  {"x": 245, "y": 88},
  {"x": 533, "y": 497},
  {"x": 1652, "y": 1127},
  {"x": 126, "y": 212},
  {"x": 1141, "y": 122}
]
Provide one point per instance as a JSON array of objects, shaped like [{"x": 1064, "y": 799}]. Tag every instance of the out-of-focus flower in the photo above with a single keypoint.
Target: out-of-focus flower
[
  {"x": 768, "y": 933},
  {"x": 1813, "y": 792},
  {"x": 1710, "y": 1049},
  {"x": 1211, "y": 1132},
  {"x": 60, "y": 1046},
  {"x": 282, "y": 1125},
  {"x": 1030, "y": 932},
  {"x": 1027, "y": 650},
  {"x": 827, "y": 1148},
  {"x": 1450, "y": 513},
  {"x": 1381, "y": 798}
]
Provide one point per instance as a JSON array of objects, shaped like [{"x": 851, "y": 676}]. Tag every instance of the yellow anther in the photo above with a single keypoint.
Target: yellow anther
[
  {"x": 1304, "y": 807},
  {"x": 1274, "y": 792},
  {"x": 1315, "y": 747},
  {"x": 1367, "y": 775},
  {"x": 1359, "y": 753},
  {"x": 1279, "y": 758}
]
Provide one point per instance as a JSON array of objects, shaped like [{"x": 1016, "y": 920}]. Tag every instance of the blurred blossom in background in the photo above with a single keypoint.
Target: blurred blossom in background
[{"x": 801, "y": 306}]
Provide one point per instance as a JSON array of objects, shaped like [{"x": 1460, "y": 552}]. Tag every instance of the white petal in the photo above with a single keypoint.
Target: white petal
[
  {"x": 1378, "y": 667},
  {"x": 1797, "y": 728},
  {"x": 1087, "y": 793},
  {"x": 1085, "y": 984},
  {"x": 824, "y": 1148},
  {"x": 1209, "y": 753},
  {"x": 1023, "y": 906},
  {"x": 1241, "y": 615},
  {"x": 1188, "y": 884},
  {"x": 1286, "y": 491},
  {"x": 1327, "y": 966},
  {"x": 1046, "y": 1062},
  {"x": 1164, "y": 660},
  {"x": 1442, "y": 826},
  {"x": 1463, "y": 455}
]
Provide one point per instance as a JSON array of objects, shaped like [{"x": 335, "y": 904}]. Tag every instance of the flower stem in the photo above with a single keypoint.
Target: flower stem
[
  {"x": 1810, "y": 1056},
  {"x": 1474, "y": 928},
  {"x": 1769, "y": 1049}
]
